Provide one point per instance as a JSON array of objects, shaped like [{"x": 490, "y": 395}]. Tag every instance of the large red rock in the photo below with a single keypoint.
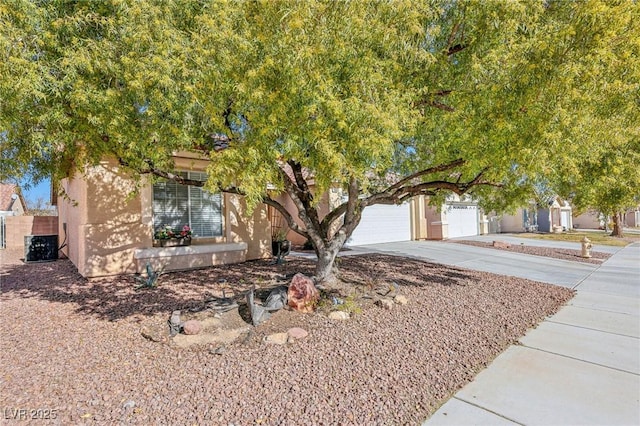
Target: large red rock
[{"x": 302, "y": 293}]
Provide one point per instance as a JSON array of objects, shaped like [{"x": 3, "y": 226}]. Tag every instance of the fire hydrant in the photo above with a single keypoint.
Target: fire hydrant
[{"x": 586, "y": 247}]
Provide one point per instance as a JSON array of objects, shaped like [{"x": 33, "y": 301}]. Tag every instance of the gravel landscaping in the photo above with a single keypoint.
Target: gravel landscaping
[
  {"x": 557, "y": 253},
  {"x": 76, "y": 346}
]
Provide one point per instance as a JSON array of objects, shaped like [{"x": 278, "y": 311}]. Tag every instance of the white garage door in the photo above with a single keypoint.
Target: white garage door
[
  {"x": 463, "y": 220},
  {"x": 382, "y": 224}
]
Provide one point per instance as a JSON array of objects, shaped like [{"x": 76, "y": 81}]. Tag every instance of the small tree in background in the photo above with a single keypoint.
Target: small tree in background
[{"x": 41, "y": 207}]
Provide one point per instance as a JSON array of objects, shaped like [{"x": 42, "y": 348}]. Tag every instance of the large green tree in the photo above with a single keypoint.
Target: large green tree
[
  {"x": 386, "y": 100},
  {"x": 602, "y": 171}
]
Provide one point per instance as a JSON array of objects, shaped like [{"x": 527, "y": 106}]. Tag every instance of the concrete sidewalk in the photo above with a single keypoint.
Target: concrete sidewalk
[{"x": 581, "y": 366}]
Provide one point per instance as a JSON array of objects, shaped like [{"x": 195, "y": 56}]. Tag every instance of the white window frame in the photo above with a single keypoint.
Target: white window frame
[{"x": 189, "y": 207}]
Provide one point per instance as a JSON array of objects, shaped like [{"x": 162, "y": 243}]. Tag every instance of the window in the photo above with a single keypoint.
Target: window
[{"x": 177, "y": 205}]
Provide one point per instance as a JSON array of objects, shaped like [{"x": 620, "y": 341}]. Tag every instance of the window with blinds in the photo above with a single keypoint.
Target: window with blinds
[{"x": 177, "y": 205}]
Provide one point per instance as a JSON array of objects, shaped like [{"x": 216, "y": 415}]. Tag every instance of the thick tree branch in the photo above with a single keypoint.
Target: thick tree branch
[
  {"x": 296, "y": 196},
  {"x": 333, "y": 215},
  {"x": 291, "y": 223},
  {"x": 152, "y": 170},
  {"x": 304, "y": 193},
  {"x": 402, "y": 193},
  {"x": 436, "y": 169},
  {"x": 455, "y": 49}
]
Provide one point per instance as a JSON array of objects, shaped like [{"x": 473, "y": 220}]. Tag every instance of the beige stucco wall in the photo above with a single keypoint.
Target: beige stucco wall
[
  {"x": 419, "y": 223},
  {"x": 17, "y": 227},
  {"x": 512, "y": 222},
  {"x": 587, "y": 220},
  {"x": 632, "y": 218},
  {"x": 106, "y": 224},
  {"x": 72, "y": 214},
  {"x": 437, "y": 228}
]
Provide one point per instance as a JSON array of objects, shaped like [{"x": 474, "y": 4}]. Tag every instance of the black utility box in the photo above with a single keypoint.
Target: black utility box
[{"x": 40, "y": 248}]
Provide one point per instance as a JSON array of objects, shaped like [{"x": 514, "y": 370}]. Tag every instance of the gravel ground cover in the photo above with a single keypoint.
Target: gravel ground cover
[
  {"x": 557, "y": 253},
  {"x": 75, "y": 346}
]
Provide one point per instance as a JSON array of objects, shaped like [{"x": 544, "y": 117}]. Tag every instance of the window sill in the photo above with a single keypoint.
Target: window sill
[{"x": 190, "y": 257}]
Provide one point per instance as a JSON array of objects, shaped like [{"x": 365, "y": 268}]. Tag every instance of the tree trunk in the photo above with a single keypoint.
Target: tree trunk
[
  {"x": 326, "y": 270},
  {"x": 617, "y": 225}
]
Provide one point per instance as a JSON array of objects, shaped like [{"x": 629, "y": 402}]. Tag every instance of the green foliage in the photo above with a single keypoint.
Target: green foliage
[
  {"x": 520, "y": 90},
  {"x": 601, "y": 130}
]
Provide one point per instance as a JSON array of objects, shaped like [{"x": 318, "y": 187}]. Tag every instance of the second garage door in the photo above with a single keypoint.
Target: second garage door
[
  {"x": 462, "y": 219},
  {"x": 382, "y": 224}
]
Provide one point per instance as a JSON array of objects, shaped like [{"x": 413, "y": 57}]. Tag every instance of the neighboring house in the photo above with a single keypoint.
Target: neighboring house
[
  {"x": 590, "y": 219},
  {"x": 595, "y": 220},
  {"x": 16, "y": 224},
  {"x": 554, "y": 215},
  {"x": 557, "y": 213},
  {"x": 11, "y": 201},
  {"x": 632, "y": 217},
  {"x": 11, "y": 204},
  {"x": 110, "y": 231},
  {"x": 457, "y": 217},
  {"x": 525, "y": 219}
]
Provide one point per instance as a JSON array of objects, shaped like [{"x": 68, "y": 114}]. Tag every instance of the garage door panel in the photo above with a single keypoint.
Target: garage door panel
[
  {"x": 382, "y": 224},
  {"x": 462, "y": 220}
]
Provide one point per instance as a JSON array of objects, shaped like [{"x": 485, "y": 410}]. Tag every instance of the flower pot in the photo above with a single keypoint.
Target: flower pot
[{"x": 173, "y": 242}]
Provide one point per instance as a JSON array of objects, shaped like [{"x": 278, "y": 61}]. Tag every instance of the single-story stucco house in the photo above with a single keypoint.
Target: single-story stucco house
[
  {"x": 555, "y": 215},
  {"x": 108, "y": 230}
]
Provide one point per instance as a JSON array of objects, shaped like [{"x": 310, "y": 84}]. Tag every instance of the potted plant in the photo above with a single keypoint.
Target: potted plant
[
  {"x": 280, "y": 246},
  {"x": 168, "y": 237}
]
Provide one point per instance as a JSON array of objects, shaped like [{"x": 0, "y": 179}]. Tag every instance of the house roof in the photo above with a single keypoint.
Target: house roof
[{"x": 9, "y": 196}]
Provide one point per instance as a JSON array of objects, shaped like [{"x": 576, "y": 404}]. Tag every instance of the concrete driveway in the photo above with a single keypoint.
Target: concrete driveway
[{"x": 554, "y": 271}]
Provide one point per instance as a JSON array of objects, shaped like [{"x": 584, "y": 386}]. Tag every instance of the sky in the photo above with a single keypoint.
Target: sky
[{"x": 42, "y": 190}]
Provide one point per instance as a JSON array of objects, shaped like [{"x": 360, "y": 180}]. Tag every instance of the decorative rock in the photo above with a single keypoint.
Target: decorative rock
[
  {"x": 191, "y": 327},
  {"x": 218, "y": 351},
  {"x": 385, "y": 303},
  {"x": 277, "y": 299},
  {"x": 501, "y": 244},
  {"x": 401, "y": 300},
  {"x": 129, "y": 405},
  {"x": 302, "y": 294},
  {"x": 297, "y": 333},
  {"x": 174, "y": 323},
  {"x": 339, "y": 315},
  {"x": 277, "y": 338}
]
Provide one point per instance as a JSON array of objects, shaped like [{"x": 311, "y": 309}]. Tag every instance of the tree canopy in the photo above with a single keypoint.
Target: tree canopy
[{"x": 385, "y": 99}]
